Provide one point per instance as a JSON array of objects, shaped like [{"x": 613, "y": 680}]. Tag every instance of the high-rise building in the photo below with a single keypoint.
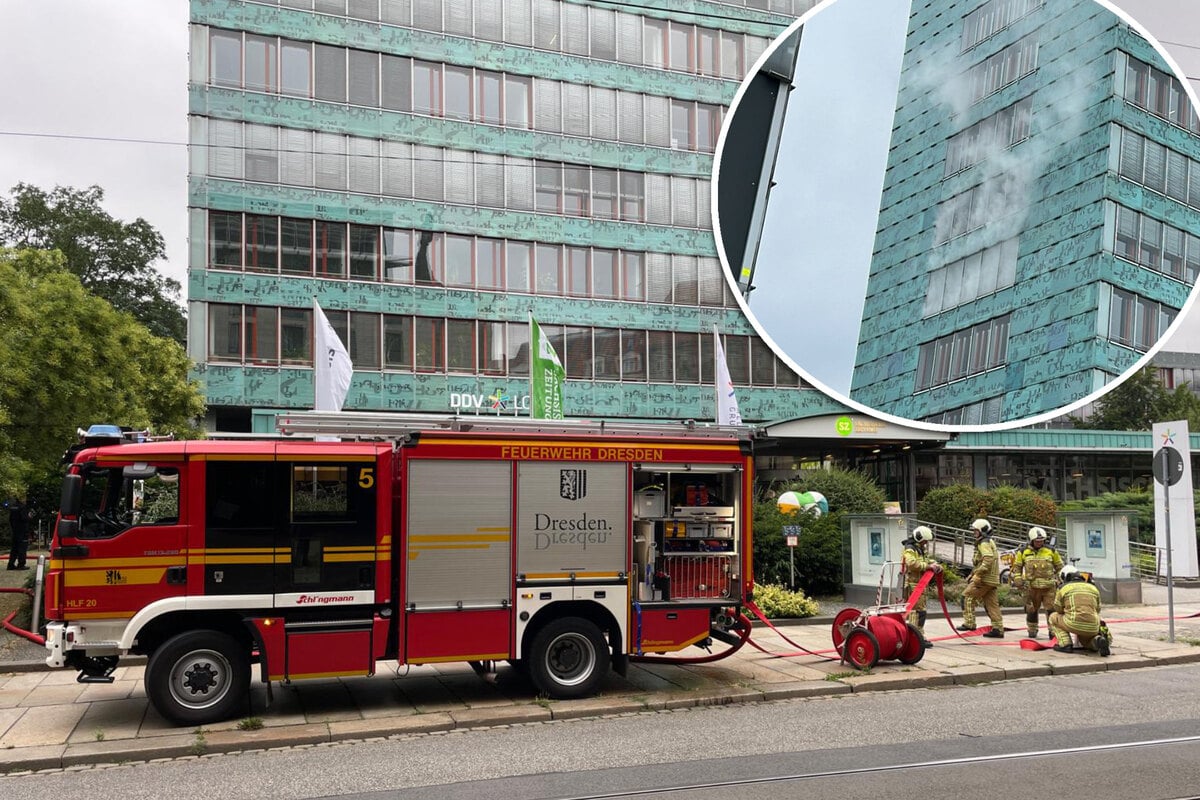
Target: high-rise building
[
  {"x": 434, "y": 171},
  {"x": 1039, "y": 225}
]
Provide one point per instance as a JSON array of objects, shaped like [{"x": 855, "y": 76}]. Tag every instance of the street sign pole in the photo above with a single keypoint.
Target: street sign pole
[
  {"x": 791, "y": 534},
  {"x": 1166, "y": 480}
]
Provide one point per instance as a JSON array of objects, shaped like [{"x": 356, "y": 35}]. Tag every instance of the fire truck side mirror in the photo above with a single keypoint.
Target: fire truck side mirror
[
  {"x": 72, "y": 496},
  {"x": 68, "y": 529}
]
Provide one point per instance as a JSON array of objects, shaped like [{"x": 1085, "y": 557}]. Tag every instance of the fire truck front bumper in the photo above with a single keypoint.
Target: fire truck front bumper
[
  {"x": 68, "y": 642},
  {"x": 56, "y": 644}
]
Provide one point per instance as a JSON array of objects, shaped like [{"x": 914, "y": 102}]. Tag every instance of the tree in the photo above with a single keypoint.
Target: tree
[
  {"x": 68, "y": 360},
  {"x": 1141, "y": 401},
  {"x": 112, "y": 259}
]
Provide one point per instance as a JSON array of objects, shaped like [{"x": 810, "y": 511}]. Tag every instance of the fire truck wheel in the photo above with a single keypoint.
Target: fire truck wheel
[
  {"x": 861, "y": 649},
  {"x": 569, "y": 658},
  {"x": 198, "y": 677}
]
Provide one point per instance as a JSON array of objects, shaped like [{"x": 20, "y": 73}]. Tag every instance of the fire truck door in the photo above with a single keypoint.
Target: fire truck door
[
  {"x": 329, "y": 534},
  {"x": 129, "y": 550},
  {"x": 458, "y": 580}
]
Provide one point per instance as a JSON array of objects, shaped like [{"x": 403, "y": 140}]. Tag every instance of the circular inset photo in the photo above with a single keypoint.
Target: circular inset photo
[{"x": 962, "y": 213}]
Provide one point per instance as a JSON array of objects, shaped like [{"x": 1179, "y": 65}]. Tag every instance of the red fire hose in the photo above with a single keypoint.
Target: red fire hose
[{"x": 7, "y": 621}]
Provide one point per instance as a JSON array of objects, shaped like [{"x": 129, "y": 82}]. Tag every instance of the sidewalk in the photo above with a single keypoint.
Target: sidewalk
[{"x": 48, "y": 721}]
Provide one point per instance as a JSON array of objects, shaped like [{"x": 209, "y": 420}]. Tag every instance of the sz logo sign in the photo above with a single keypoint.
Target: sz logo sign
[{"x": 572, "y": 484}]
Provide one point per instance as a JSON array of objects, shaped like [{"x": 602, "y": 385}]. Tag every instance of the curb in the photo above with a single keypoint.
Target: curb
[{"x": 194, "y": 744}]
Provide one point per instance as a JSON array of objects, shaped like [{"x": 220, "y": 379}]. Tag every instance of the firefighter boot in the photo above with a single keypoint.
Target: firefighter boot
[
  {"x": 1031, "y": 623},
  {"x": 1101, "y": 645},
  {"x": 1063, "y": 643},
  {"x": 1049, "y": 633},
  {"x": 921, "y": 617},
  {"x": 968, "y": 623}
]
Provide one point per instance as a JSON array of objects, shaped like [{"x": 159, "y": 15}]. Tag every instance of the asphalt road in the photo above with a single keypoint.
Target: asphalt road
[{"x": 856, "y": 736}]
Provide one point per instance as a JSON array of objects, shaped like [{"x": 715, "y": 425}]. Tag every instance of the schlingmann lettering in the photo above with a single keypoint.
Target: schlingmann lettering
[
  {"x": 578, "y": 531},
  {"x": 324, "y": 599}
]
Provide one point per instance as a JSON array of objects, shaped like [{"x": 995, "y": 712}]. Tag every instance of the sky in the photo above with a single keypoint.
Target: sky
[
  {"x": 820, "y": 225},
  {"x": 81, "y": 74},
  {"x": 110, "y": 69}
]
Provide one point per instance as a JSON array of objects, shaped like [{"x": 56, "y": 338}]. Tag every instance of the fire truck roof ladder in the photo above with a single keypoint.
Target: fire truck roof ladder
[{"x": 384, "y": 425}]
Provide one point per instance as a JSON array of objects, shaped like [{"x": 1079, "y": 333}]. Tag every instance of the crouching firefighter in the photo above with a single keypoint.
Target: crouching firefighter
[
  {"x": 1034, "y": 570},
  {"x": 1077, "y": 611},
  {"x": 915, "y": 562}
]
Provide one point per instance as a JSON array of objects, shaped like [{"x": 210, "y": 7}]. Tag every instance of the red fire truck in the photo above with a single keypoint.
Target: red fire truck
[{"x": 565, "y": 548}]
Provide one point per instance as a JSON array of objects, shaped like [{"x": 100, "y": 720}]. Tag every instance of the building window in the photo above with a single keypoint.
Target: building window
[
  {"x": 295, "y": 246},
  {"x": 1005, "y": 67},
  {"x": 331, "y": 250},
  {"x": 262, "y": 243},
  {"x": 989, "y": 137},
  {"x": 225, "y": 54},
  {"x": 963, "y": 353},
  {"x": 224, "y": 332},
  {"x": 1159, "y": 93},
  {"x": 967, "y": 279},
  {"x": 1156, "y": 246},
  {"x": 224, "y": 239},
  {"x": 329, "y": 70},
  {"x": 993, "y": 17},
  {"x": 364, "y": 78},
  {"x": 518, "y": 260},
  {"x": 295, "y": 336},
  {"x": 1137, "y": 322},
  {"x": 295, "y": 59},
  {"x": 261, "y": 64},
  {"x": 261, "y": 335},
  {"x": 364, "y": 253},
  {"x": 430, "y": 342},
  {"x": 397, "y": 342},
  {"x": 491, "y": 347}
]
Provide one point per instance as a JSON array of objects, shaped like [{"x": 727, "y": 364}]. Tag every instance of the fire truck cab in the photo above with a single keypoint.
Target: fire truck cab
[{"x": 564, "y": 548}]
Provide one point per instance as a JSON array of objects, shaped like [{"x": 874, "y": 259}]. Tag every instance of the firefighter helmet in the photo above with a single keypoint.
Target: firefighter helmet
[
  {"x": 1069, "y": 572},
  {"x": 981, "y": 527},
  {"x": 1036, "y": 533},
  {"x": 922, "y": 534}
]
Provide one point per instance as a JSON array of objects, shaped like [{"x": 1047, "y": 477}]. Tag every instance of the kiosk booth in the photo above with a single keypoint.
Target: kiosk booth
[
  {"x": 869, "y": 541},
  {"x": 1098, "y": 542}
]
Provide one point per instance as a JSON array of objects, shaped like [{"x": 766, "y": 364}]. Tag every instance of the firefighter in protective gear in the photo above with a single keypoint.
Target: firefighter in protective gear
[
  {"x": 983, "y": 584},
  {"x": 1077, "y": 611},
  {"x": 915, "y": 562},
  {"x": 1034, "y": 570}
]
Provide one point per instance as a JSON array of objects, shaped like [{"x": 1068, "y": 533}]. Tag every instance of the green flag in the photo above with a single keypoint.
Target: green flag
[{"x": 545, "y": 375}]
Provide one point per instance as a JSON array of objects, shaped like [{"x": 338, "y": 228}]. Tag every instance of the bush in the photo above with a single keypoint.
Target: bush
[
  {"x": 954, "y": 506},
  {"x": 957, "y": 506},
  {"x": 818, "y": 556},
  {"x": 847, "y": 491},
  {"x": 778, "y": 602},
  {"x": 1025, "y": 505}
]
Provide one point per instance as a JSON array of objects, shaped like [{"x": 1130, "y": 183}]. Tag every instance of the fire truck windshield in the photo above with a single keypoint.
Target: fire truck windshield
[{"x": 117, "y": 498}]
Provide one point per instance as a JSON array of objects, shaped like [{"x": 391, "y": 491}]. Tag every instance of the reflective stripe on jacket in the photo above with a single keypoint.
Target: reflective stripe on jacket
[
  {"x": 1079, "y": 603},
  {"x": 1038, "y": 567},
  {"x": 987, "y": 568},
  {"x": 915, "y": 564}
]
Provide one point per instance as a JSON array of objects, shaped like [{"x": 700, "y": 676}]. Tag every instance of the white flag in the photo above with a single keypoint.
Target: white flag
[
  {"x": 727, "y": 407},
  {"x": 331, "y": 364}
]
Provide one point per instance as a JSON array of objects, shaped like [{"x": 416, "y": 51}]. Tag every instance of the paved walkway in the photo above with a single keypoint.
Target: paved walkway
[{"x": 48, "y": 721}]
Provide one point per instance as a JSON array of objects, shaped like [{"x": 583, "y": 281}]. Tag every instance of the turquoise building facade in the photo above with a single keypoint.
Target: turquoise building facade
[
  {"x": 435, "y": 171},
  {"x": 1039, "y": 225}
]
